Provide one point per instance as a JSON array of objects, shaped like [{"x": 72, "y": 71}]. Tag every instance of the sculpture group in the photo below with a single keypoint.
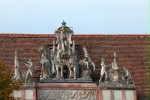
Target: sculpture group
[
  {"x": 64, "y": 53},
  {"x": 64, "y": 58},
  {"x": 111, "y": 74},
  {"x": 64, "y": 64}
]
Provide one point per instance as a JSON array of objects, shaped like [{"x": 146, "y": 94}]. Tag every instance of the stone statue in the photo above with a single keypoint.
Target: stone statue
[
  {"x": 115, "y": 64},
  {"x": 17, "y": 74},
  {"x": 45, "y": 71},
  {"x": 72, "y": 68},
  {"x": 54, "y": 46},
  {"x": 103, "y": 73},
  {"x": 73, "y": 47},
  {"x": 115, "y": 70},
  {"x": 64, "y": 53},
  {"x": 86, "y": 65},
  {"x": 112, "y": 73},
  {"x": 70, "y": 38},
  {"x": 29, "y": 73},
  {"x": 127, "y": 77},
  {"x": 58, "y": 66}
]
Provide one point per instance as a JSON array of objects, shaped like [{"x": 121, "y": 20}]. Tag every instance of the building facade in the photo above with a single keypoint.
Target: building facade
[{"x": 133, "y": 52}]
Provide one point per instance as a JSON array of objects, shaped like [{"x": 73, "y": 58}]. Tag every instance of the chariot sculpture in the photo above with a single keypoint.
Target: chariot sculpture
[{"x": 64, "y": 52}]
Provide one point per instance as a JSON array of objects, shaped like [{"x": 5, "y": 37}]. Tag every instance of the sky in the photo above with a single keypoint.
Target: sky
[{"x": 84, "y": 16}]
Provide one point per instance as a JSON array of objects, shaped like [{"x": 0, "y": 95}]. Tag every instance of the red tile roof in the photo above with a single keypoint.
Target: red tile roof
[{"x": 133, "y": 52}]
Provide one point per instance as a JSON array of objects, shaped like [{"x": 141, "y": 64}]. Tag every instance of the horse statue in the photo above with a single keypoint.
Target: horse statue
[
  {"x": 58, "y": 66},
  {"x": 72, "y": 68},
  {"x": 45, "y": 71}
]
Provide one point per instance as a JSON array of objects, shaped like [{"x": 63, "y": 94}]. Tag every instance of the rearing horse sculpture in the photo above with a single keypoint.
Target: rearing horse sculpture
[{"x": 45, "y": 72}]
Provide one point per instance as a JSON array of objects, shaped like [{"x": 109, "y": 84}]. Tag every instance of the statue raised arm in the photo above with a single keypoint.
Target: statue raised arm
[{"x": 29, "y": 73}]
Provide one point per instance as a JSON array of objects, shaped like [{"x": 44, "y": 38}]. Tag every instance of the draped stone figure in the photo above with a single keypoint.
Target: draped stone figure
[
  {"x": 86, "y": 65},
  {"x": 115, "y": 70},
  {"x": 45, "y": 71}
]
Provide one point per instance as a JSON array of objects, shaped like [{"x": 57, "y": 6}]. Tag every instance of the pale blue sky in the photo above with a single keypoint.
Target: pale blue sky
[{"x": 85, "y": 16}]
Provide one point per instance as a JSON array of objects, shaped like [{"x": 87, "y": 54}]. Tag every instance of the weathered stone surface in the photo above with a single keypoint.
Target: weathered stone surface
[
  {"x": 66, "y": 94},
  {"x": 113, "y": 76}
]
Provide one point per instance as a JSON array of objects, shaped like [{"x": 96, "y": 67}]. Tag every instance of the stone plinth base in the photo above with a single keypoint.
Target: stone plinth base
[
  {"x": 78, "y": 80},
  {"x": 73, "y": 91},
  {"x": 116, "y": 86},
  {"x": 116, "y": 94}
]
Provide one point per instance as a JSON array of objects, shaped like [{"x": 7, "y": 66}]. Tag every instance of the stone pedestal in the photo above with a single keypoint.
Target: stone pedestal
[
  {"x": 73, "y": 91},
  {"x": 28, "y": 92},
  {"x": 116, "y": 92}
]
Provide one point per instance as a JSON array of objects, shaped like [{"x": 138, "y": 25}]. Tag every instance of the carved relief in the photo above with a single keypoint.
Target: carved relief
[{"x": 66, "y": 94}]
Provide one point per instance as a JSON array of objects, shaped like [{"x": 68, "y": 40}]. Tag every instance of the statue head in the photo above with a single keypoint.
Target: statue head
[
  {"x": 102, "y": 59},
  {"x": 42, "y": 50}
]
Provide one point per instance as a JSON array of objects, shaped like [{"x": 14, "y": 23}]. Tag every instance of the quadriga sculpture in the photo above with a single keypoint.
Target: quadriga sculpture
[
  {"x": 45, "y": 71},
  {"x": 64, "y": 52}
]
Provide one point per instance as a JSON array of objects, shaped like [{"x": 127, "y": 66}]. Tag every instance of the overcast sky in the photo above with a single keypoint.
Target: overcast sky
[{"x": 84, "y": 16}]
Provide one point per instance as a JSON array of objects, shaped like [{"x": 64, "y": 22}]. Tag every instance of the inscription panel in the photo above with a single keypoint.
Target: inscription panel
[{"x": 67, "y": 94}]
